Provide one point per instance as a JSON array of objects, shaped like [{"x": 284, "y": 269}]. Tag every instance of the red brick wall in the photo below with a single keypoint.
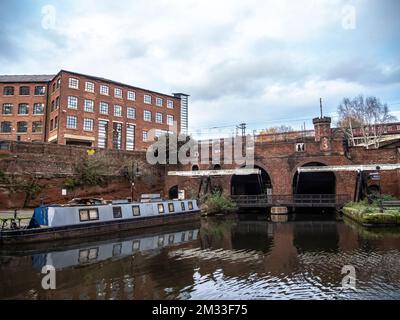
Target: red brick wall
[
  {"x": 138, "y": 104},
  {"x": 16, "y": 99},
  {"x": 281, "y": 161}
]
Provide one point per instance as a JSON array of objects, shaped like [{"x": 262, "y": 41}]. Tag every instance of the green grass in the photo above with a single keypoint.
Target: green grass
[{"x": 369, "y": 214}]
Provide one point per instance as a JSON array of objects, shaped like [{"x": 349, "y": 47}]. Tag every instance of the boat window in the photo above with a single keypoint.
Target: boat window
[
  {"x": 136, "y": 211},
  {"x": 93, "y": 253},
  {"x": 135, "y": 245},
  {"x": 183, "y": 237},
  {"x": 171, "y": 239},
  {"x": 190, "y": 205},
  {"x": 183, "y": 206},
  {"x": 83, "y": 215},
  {"x": 117, "y": 249},
  {"x": 190, "y": 235},
  {"x": 86, "y": 255},
  {"x": 160, "y": 208},
  {"x": 171, "y": 207},
  {"x": 117, "y": 212},
  {"x": 88, "y": 214}
]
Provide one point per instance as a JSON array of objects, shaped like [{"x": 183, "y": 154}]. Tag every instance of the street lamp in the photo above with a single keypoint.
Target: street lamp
[
  {"x": 378, "y": 168},
  {"x": 133, "y": 175}
]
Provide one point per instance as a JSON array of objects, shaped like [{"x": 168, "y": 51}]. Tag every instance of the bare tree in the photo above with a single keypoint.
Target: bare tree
[
  {"x": 369, "y": 114},
  {"x": 278, "y": 129}
]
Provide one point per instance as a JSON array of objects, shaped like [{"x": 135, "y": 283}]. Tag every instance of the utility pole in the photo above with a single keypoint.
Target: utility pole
[
  {"x": 242, "y": 127},
  {"x": 320, "y": 106}
]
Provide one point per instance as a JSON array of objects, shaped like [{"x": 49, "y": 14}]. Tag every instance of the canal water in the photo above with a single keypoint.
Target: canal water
[{"x": 223, "y": 257}]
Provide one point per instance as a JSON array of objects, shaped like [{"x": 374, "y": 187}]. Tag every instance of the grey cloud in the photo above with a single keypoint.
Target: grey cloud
[
  {"x": 364, "y": 72},
  {"x": 246, "y": 77}
]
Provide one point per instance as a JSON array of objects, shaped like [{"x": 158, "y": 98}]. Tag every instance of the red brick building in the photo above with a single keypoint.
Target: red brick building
[{"x": 76, "y": 109}]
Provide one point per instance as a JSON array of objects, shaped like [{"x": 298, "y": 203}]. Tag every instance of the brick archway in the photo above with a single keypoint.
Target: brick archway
[
  {"x": 252, "y": 184},
  {"x": 314, "y": 183}
]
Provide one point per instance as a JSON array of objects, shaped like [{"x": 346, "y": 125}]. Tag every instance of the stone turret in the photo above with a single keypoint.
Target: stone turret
[{"x": 322, "y": 127}]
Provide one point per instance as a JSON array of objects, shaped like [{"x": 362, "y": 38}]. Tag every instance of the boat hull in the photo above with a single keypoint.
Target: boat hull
[{"x": 93, "y": 229}]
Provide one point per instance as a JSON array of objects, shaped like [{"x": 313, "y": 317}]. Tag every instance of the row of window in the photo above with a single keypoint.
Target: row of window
[
  {"x": 24, "y": 91},
  {"x": 22, "y": 127},
  {"x": 93, "y": 214},
  {"x": 23, "y": 108},
  {"x": 88, "y": 125},
  {"x": 73, "y": 83},
  {"x": 72, "y": 123},
  {"x": 130, "y": 111},
  {"x": 90, "y": 255}
]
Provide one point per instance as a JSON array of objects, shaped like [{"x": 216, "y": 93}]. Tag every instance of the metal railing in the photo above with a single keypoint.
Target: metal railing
[{"x": 297, "y": 200}]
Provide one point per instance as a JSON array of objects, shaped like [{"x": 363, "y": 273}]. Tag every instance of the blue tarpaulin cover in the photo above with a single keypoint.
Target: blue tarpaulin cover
[{"x": 40, "y": 216}]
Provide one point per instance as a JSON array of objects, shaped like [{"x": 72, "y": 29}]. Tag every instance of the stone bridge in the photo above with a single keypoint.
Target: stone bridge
[{"x": 278, "y": 156}]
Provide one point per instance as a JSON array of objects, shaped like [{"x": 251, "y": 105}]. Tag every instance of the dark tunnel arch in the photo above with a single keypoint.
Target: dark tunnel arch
[
  {"x": 314, "y": 182},
  {"x": 173, "y": 192},
  {"x": 251, "y": 184}
]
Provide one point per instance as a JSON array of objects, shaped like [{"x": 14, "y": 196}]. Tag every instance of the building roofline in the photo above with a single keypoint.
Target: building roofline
[
  {"x": 113, "y": 82},
  {"x": 49, "y": 76}
]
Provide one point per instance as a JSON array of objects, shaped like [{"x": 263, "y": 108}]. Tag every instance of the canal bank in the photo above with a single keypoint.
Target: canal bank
[{"x": 374, "y": 214}]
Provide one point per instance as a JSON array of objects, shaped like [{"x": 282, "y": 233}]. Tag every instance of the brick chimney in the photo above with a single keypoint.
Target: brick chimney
[{"x": 322, "y": 128}]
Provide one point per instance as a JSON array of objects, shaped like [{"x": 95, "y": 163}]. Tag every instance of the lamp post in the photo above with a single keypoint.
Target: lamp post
[
  {"x": 133, "y": 175},
  {"x": 378, "y": 168}
]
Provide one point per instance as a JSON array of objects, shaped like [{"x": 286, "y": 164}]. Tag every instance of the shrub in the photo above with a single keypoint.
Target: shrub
[
  {"x": 89, "y": 173},
  {"x": 218, "y": 203},
  {"x": 70, "y": 183}
]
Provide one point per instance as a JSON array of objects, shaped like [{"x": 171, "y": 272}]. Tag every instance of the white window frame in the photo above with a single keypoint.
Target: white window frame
[
  {"x": 145, "y": 135},
  {"x": 70, "y": 106},
  {"x": 76, "y": 122},
  {"x": 147, "y": 99},
  {"x": 116, "y": 107},
  {"x": 89, "y": 86},
  {"x": 104, "y": 90},
  {"x": 131, "y": 95},
  {"x": 120, "y": 93},
  {"x": 170, "y": 104},
  {"x": 73, "y": 83},
  {"x": 132, "y": 110},
  {"x": 85, "y": 106},
  {"x": 88, "y": 120},
  {"x": 33, "y": 109},
  {"x": 147, "y": 112},
  {"x": 100, "y": 109},
  {"x": 159, "y": 102},
  {"x": 159, "y": 115},
  {"x": 169, "y": 117}
]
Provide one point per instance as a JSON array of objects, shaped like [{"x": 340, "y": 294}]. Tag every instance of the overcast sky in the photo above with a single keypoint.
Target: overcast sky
[{"x": 261, "y": 62}]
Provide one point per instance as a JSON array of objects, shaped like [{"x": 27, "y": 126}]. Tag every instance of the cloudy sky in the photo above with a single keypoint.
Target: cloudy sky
[{"x": 261, "y": 62}]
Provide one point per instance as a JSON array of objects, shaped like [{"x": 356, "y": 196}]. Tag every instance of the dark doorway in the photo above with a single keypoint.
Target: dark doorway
[
  {"x": 173, "y": 192},
  {"x": 314, "y": 182},
  {"x": 251, "y": 184},
  {"x": 78, "y": 143}
]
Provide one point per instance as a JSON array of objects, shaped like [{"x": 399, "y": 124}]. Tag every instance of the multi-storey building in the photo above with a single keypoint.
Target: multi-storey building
[{"x": 73, "y": 108}]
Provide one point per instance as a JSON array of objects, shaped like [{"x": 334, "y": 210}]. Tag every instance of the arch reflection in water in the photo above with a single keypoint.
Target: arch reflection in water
[{"x": 96, "y": 252}]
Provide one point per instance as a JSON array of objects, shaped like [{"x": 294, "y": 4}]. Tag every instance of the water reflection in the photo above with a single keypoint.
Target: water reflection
[{"x": 245, "y": 257}]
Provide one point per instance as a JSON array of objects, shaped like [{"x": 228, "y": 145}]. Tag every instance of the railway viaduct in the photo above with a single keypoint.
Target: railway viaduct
[{"x": 278, "y": 156}]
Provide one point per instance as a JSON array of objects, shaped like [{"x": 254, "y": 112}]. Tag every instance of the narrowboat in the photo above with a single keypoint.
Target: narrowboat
[
  {"x": 91, "y": 217},
  {"x": 101, "y": 251}
]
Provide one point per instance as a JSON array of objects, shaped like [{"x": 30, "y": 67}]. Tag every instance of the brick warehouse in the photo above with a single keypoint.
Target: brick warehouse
[{"x": 75, "y": 109}]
